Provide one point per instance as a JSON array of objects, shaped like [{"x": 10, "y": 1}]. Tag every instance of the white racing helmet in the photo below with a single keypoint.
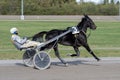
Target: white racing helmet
[
  {"x": 13, "y": 30},
  {"x": 75, "y": 30}
]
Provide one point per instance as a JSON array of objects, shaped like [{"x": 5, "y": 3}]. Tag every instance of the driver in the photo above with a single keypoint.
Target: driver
[{"x": 21, "y": 43}]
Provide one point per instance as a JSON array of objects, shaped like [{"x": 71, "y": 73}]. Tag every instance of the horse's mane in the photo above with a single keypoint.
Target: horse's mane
[{"x": 81, "y": 23}]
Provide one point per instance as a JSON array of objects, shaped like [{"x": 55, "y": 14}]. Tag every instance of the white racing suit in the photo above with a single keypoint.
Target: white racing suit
[{"x": 21, "y": 43}]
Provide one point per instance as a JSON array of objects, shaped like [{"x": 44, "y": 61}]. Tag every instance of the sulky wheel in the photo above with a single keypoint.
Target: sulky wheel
[
  {"x": 28, "y": 57},
  {"x": 41, "y": 60}
]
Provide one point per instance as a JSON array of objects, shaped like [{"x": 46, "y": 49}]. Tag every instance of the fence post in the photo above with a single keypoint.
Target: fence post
[{"x": 22, "y": 10}]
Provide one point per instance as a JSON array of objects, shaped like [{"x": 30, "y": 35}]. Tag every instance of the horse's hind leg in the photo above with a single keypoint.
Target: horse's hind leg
[
  {"x": 58, "y": 55},
  {"x": 91, "y": 52}
]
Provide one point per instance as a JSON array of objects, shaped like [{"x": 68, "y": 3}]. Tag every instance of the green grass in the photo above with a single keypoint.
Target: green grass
[{"x": 107, "y": 35}]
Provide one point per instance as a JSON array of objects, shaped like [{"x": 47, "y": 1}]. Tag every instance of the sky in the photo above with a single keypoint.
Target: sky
[{"x": 96, "y": 1}]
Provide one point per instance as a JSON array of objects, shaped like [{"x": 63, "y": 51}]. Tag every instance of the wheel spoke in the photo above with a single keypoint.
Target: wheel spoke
[{"x": 41, "y": 60}]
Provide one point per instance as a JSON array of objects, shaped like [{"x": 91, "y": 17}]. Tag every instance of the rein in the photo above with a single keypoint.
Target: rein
[
  {"x": 86, "y": 34},
  {"x": 89, "y": 34}
]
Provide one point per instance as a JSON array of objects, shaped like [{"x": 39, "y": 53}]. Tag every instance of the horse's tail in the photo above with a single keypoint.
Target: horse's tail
[{"x": 39, "y": 36}]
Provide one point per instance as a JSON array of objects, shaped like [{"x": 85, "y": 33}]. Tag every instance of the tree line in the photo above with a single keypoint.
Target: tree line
[{"x": 57, "y": 7}]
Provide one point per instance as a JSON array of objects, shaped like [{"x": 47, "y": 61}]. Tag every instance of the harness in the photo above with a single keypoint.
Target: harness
[
  {"x": 85, "y": 33},
  {"x": 76, "y": 32}
]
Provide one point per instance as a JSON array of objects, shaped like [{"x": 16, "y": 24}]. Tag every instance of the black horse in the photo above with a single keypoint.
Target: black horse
[{"x": 74, "y": 40}]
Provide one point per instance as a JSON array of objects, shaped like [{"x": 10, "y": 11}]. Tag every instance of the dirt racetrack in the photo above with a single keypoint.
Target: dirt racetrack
[{"x": 78, "y": 69}]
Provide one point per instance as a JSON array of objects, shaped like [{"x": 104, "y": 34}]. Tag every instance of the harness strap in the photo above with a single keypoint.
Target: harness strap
[
  {"x": 89, "y": 34},
  {"x": 53, "y": 46},
  {"x": 85, "y": 33}
]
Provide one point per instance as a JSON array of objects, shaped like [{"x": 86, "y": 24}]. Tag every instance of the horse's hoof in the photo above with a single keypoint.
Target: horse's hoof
[
  {"x": 72, "y": 55},
  {"x": 68, "y": 54},
  {"x": 98, "y": 59},
  {"x": 66, "y": 65}
]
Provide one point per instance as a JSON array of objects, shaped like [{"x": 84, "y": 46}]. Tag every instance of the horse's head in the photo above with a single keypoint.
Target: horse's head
[
  {"x": 89, "y": 22},
  {"x": 85, "y": 23}
]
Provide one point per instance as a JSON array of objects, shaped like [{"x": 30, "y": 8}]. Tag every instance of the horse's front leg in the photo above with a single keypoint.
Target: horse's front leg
[
  {"x": 91, "y": 52},
  {"x": 77, "y": 52},
  {"x": 58, "y": 55}
]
